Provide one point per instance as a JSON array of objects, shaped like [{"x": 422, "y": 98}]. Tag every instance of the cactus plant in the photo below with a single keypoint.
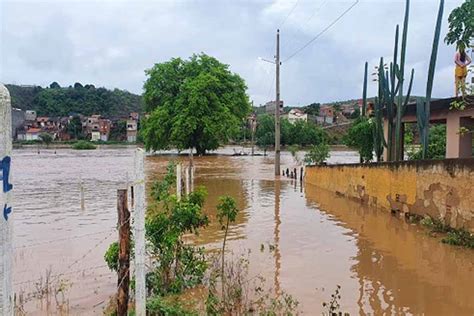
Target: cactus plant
[
  {"x": 364, "y": 91},
  {"x": 400, "y": 74},
  {"x": 423, "y": 105}
]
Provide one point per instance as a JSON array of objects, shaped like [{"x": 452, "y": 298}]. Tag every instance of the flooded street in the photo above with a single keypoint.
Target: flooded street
[{"x": 304, "y": 241}]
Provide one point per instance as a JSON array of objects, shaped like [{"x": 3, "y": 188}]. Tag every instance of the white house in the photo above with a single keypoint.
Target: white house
[{"x": 296, "y": 115}]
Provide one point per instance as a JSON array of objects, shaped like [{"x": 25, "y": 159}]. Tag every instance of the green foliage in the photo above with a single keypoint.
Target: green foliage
[
  {"x": 312, "y": 109},
  {"x": 111, "y": 256},
  {"x": 178, "y": 266},
  {"x": 423, "y": 105},
  {"x": 54, "y": 85},
  {"x": 356, "y": 113},
  {"x": 436, "y": 145},
  {"x": 74, "y": 128},
  {"x": 57, "y": 101},
  {"x": 459, "y": 237},
  {"x": 456, "y": 237},
  {"x": 83, "y": 145},
  {"x": 118, "y": 131},
  {"x": 304, "y": 134},
  {"x": 46, "y": 138},
  {"x": 160, "y": 189},
  {"x": 226, "y": 213},
  {"x": 300, "y": 133},
  {"x": 364, "y": 89},
  {"x": 360, "y": 137},
  {"x": 265, "y": 133},
  {"x": 196, "y": 103},
  {"x": 461, "y": 24},
  {"x": 317, "y": 154},
  {"x": 158, "y": 306}
]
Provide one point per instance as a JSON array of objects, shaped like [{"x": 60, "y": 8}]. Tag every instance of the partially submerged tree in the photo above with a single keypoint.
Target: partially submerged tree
[
  {"x": 194, "y": 104},
  {"x": 46, "y": 138},
  {"x": 360, "y": 137}
]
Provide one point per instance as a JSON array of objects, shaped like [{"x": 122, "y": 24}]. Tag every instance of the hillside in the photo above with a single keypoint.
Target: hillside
[{"x": 86, "y": 100}]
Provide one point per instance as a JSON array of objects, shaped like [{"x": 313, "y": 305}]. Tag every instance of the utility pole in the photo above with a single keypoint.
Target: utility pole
[{"x": 277, "y": 106}]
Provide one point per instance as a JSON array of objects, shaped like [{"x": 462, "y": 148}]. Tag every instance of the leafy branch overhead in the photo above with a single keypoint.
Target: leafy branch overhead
[{"x": 461, "y": 24}]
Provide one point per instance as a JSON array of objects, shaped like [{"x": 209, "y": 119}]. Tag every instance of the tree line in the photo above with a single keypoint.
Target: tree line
[{"x": 78, "y": 99}]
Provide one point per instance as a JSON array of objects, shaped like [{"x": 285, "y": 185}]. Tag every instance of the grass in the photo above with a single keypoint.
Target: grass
[{"x": 453, "y": 236}]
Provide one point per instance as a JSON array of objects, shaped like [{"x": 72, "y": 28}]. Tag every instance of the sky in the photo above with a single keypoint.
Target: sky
[{"x": 110, "y": 43}]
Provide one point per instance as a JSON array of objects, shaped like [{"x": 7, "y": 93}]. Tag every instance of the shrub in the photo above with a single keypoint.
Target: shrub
[
  {"x": 317, "y": 154},
  {"x": 436, "y": 144},
  {"x": 360, "y": 137},
  {"x": 84, "y": 145}
]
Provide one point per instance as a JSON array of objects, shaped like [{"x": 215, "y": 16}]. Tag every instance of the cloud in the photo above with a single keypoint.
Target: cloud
[{"x": 111, "y": 43}]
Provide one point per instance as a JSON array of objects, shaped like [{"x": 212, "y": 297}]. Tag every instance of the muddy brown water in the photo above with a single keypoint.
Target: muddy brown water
[{"x": 312, "y": 240}]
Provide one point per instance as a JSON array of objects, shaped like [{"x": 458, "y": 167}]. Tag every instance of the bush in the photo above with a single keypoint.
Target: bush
[
  {"x": 317, "y": 154},
  {"x": 300, "y": 133},
  {"x": 111, "y": 256},
  {"x": 436, "y": 144},
  {"x": 360, "y": 137},
  {"x": 84, "y": 145}
]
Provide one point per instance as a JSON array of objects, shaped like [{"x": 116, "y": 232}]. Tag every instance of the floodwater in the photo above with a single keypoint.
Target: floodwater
[{"x": 312, "y": 240}]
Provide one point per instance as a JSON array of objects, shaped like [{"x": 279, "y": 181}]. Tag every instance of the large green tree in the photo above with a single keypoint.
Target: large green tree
[{"x": 196, "y": 103}]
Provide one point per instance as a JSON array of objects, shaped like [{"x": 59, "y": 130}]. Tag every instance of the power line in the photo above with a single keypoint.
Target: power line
[
  {"x": 316, "y": 11},
  {"x": 322, "y": 32},
  {"x": 291, "y": 11}
]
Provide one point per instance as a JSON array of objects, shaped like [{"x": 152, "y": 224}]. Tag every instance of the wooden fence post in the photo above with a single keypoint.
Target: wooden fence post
[
  {"x": 6, "y": 221},
  {"x": 124, "y": 252}
]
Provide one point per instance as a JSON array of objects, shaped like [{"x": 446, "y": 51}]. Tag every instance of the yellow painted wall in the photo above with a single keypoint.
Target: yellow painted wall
[{"x": 441, "y": 188}]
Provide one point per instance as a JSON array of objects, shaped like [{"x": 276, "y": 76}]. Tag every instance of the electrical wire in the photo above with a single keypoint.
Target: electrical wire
[
  {"x": 291, "y": 11},
  {"x": 322, "y": 32}
]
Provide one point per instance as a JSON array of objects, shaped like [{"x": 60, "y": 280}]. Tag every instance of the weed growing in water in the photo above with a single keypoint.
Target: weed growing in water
[
  {"x": 333, "y": 305},
  {"x": 456, "y": 237},
  {"x": 244, "y": 295}
]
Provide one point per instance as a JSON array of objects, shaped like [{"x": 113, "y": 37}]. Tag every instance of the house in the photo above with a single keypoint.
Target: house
[
  {"x": 296, "y": 115},
  {"x": 32, "y": 133},
  {"x": 270, "y": 107},
  {"x": 30, "y": 115},
  {"x": 95, "y": 136},
  {"x": 326, "y": 115},
  {"x": 104, "y": 129},
  {"x": 458, "y": 144},
  {"x": 132, "y": 128}
]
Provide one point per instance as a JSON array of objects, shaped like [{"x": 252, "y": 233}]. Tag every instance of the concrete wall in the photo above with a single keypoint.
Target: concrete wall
[{"x": 439, "y": 188}]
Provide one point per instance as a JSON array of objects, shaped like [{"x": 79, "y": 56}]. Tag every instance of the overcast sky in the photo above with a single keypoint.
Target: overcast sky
[{"x": 111, "y": 43}]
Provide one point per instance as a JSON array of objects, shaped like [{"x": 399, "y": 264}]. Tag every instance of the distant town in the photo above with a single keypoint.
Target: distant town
[{"x": 28, "y": 126}]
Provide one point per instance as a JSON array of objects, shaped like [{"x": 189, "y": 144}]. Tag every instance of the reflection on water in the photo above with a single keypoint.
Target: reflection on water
[
  {"x": 319, "y": 240},
  {"x": 304, "y": 241},
  {"x": 51, "y": 230}
]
